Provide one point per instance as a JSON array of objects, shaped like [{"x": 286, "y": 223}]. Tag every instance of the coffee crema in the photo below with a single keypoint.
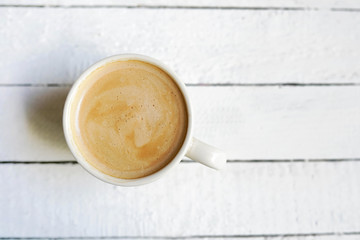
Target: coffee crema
[{"x": 129, "y": 119}]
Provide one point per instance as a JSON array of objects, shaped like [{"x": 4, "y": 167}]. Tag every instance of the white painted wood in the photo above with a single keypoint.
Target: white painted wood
[
  {"x": 250, "y": 198},
  {"x": 322, "y": 4},
  {"x": 335, "y": 237},
  {"x": 246, "y": 122},
  {"x": 31, "y": 124},
  {"x": 53, "y": 45},
  {"x": 332, "y": 237}
]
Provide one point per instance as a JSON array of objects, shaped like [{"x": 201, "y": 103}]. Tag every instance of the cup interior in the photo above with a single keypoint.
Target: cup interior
[{"x": 76, "y": 151}]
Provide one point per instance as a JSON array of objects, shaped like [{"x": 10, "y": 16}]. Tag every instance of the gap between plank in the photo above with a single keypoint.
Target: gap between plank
[
  {"x": 239, "y": 236},
  {"x": 159, "y": 7},
  {"x": 185, "y": 161},
  {"x": 182, "y": 7},
  {"x": 289, "y": 84}
]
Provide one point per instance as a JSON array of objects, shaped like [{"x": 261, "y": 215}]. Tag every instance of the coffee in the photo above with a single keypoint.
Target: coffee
[{"x": 128, "y": 119}]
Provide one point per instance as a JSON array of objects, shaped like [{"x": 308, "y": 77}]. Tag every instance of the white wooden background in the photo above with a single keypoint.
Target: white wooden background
[{"x": 274, "y": 83}]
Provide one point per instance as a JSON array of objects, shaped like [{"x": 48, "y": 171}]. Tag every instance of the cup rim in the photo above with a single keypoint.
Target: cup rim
[{"x": 78, "y": 156}]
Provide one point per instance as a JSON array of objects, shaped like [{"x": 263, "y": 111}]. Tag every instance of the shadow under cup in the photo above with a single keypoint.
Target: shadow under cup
[{"x": 127, "y": 120}]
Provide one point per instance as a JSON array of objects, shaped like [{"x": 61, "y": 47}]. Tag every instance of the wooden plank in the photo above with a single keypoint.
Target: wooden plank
[
  {"x": 247, "y": 122},
  {"x": 63, "y": 200},
  {"x": 332, "y": 237},
  {"x": 297, "y": 237},
  {"x": 204, "y": 46},
  {"x": 31, "y": 124},
  {"x": 266, "y": 237},
  {"x": 324, "y": 4}
]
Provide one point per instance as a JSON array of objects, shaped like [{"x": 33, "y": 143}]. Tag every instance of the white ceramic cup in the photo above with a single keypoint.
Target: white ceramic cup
[{"x": 192, "y": 147}]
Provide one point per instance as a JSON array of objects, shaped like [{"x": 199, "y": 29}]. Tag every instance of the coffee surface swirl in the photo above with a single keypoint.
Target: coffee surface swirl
[{"x": 130, "y": 119}]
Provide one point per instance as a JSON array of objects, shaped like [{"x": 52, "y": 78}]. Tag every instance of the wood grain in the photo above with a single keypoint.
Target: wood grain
[
  {"x": 204, "y": 46},
  {"x": 244, "y": 199},
  {"x": 285, "y": 4},
  {"x": 247, "y": 122}
]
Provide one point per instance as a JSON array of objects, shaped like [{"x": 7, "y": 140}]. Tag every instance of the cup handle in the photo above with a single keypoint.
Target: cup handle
[{"x": 206, "y": 154}]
